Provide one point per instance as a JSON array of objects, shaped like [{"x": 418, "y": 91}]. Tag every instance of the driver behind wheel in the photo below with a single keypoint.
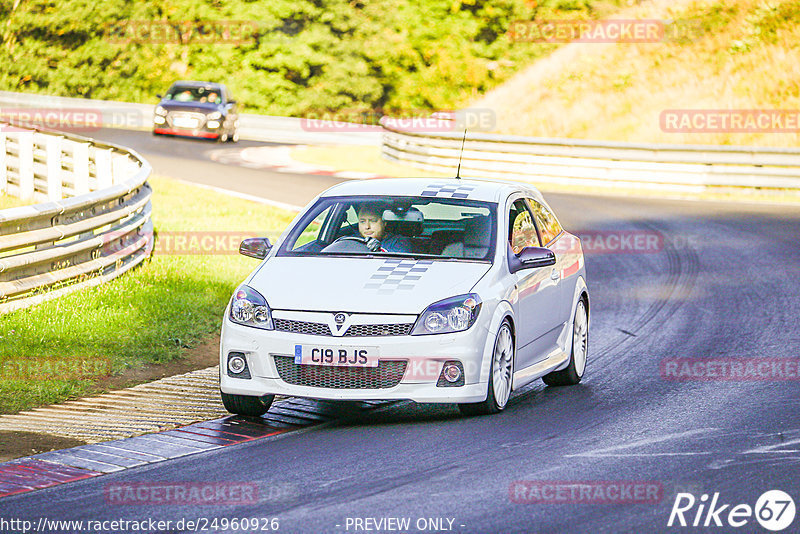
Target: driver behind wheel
[{"x": 371, "y": 224}]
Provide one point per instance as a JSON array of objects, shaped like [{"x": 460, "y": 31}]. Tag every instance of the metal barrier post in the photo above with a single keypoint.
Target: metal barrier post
[
  {"x": 80, "y": 161},
  {"x": 54, "y": 175},
  {"x": 3, "y": 168},
  {"x": 25, "y": 144},
  {"x": 103, "y": 167}
]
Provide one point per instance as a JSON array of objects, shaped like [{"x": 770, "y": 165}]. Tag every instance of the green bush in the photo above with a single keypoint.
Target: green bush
[{"x": 307, "y": 56}]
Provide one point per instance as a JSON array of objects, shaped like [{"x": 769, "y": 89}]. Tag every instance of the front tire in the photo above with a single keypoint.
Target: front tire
[
  {"x": 573, "y": 373},
  {"x": 500, "y": 376},
  {"x": 246, "y": 404}
]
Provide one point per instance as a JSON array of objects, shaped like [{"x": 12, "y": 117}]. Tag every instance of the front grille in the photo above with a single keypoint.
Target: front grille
[
  {"x": 302, "y": 327},
  {"x": 387, "y": 374},
  {"x": 379, "y": 330},
  {"x": 363, "y": 330}
]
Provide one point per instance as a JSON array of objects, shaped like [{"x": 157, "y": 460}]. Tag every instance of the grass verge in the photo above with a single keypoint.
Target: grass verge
[
  {"x": 729, "y": 55},
  {"x": 7, "y": 201},
  {"x": 68, "y": 347}
]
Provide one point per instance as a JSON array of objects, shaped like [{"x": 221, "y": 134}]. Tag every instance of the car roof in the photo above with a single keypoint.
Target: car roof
[
  {"x": 192, "y": 83},
  {"x": 486, "y": 190}
]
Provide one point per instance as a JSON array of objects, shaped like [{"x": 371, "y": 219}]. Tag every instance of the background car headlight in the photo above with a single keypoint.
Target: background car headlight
[
  {"x": 450, "y": 315},
  {"x": 249, "y": 308},
  {"x": 214, "y": 116},
  {"x": 160, "y": 111}
]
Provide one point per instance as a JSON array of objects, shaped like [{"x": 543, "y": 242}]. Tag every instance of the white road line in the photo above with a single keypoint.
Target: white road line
[
  {"x": 645, "y": 454},
  {"x": 774, "y": 449},
  {"x": 244, "y": 196},
  {"x": 642, "y": 442}
]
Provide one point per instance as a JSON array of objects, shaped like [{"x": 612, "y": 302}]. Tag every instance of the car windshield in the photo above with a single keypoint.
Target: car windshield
[
  {"x": 192, "y": 93},
  {"x": 428, "y": 227}
]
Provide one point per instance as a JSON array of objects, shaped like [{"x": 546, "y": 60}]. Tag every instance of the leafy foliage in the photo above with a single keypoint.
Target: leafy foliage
[{"x": 307, "y": 56}]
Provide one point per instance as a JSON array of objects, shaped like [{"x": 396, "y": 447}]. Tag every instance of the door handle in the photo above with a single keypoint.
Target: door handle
[{"x": 555, "y": 275}]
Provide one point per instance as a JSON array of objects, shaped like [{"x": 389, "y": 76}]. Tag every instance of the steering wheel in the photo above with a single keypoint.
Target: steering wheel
[{"x": 370, "y": 243}]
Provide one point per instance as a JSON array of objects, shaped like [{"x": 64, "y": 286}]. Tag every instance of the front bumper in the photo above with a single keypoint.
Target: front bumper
[
  {"x": 425, "y": 357},
  {"x": 187, "y": 133}
]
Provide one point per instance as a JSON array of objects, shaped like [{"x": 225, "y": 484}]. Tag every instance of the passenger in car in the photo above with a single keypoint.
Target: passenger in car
[
  {"x": 371, "y": 224},
  {"x": 476, "y": 241}
]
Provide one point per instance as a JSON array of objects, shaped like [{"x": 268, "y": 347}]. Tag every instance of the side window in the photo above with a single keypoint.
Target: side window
[
  {"x": 350, "y": 221},
  {"x": 522, "y": 232},
  {"x": 350, "y": 217},
  {"x": 546, "y": 221},
  {"x": 312, "y": 231}
]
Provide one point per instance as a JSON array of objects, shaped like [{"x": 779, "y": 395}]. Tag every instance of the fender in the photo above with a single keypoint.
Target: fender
[
  {"x": 580, "y": 287},
  {"x": 502, "y": 311}
]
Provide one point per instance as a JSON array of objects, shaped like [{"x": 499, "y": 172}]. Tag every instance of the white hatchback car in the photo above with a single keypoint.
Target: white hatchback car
[{"x": 446, "y": 291}]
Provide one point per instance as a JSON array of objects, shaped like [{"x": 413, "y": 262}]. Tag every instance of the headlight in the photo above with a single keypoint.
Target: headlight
[
  {"x": 160, "y": 111},
  {"x": 214, "y": 116},
  {"x": 249, "y": 308},
  {"x": 455, "y": 314}
]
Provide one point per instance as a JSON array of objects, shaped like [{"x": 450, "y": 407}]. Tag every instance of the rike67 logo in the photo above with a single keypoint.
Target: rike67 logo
[{"x": 774, "y": 510}]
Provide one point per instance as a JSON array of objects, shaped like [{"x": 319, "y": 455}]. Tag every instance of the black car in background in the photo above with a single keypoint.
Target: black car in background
[{"x": 197, "y": 109}]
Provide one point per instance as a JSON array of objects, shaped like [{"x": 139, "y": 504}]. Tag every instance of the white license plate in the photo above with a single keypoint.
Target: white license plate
[
  {"x": 336, "y": 356},
  {"x": 184, "y": 122}
]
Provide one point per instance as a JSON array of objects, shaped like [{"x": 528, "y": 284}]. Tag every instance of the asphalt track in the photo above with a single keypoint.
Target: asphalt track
[
  {"x": 189, "y": 159},
  {"x": 723, "y": 283}
]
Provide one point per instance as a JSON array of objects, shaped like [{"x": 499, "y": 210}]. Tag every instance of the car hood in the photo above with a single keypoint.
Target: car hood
[
  {"x": 363, "y": 285},
  {"x": 172, "y": 105}
]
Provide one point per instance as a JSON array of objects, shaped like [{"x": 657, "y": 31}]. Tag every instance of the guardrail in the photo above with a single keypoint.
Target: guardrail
[
  {"x": 93, "y": 224},
  {"x": 592, "y": 163},
  {"x": 130, "y": 116}
]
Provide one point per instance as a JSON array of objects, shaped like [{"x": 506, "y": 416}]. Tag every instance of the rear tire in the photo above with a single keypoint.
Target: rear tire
[
  {"x": 246, "y": 404},
  {"x": 501, "y": 372},
  {"x": 573, "y": 373}
]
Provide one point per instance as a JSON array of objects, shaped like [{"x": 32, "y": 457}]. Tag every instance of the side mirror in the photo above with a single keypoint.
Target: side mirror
[
  {"x": 256, "y": 247},
  {"x": 231, "y": 101},
  {"x": 533, "y": 257}
]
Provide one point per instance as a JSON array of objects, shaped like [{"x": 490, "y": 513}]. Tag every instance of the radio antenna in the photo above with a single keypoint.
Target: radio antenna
[{"x": 458, "y": 171}]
